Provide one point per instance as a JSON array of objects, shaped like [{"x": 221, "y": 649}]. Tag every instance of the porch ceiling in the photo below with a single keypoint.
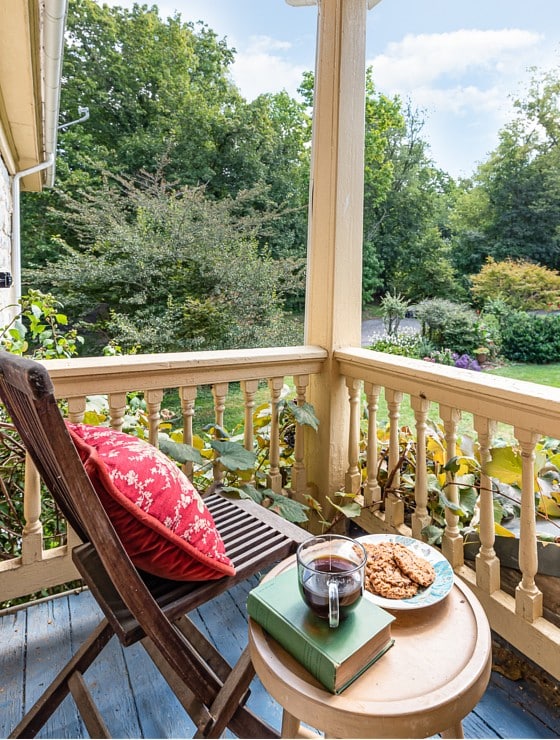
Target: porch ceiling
[{"x": 21, "y": 139}]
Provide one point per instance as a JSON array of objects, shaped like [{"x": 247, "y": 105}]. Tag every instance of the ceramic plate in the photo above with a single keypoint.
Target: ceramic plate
[{"x": 425, "y": 596}]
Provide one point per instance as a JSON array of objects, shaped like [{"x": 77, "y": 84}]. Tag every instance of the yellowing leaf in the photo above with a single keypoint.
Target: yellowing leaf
[
  {"x": 502, "y": 531},
  {"x": 505, "y": 465},
  {"x": 198, "y": 442},
  {"x": 548, "y": 507},
  {"x": 435, "y": 450}
]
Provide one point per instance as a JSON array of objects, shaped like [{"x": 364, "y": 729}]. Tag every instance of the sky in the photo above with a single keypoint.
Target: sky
[{"x": 461, "y": 63}]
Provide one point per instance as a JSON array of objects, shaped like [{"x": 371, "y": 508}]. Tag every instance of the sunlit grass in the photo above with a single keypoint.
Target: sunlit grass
[{"x": 543, "y": 374}]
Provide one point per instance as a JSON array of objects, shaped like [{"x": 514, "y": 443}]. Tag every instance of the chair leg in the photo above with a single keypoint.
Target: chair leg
[
  {"x": 225, "y": 709},
  {"x": 230, "y": 696},
  {"x": 93, "y": 720},
  {"x": 53, "y": 696}
]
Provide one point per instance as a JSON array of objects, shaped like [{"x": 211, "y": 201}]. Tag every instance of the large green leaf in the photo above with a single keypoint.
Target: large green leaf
[
  {"x": 245, "y": 491},
  {"x": 432, "y": 534},
  {"x": 233, "y": 456},
  {"x": 350, "y": 510},
  {"x": 182, "y": 453},
  {"x": 504, "y": 465},
  {"x": 468, "y": 497},
  {"x": 455, "y": 508},
  {"x": 286, "y": 507},
  {"x": 304, "y": 414}
]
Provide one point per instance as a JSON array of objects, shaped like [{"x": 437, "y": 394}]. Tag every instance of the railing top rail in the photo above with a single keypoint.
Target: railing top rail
[
  {"x": 516, "y": 402},
  {"x": 168, "y": 370}
]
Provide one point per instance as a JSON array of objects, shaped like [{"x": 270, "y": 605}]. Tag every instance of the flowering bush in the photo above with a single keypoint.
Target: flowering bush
[
  {"x": 407, "y": 343},
  {"x": 466, "y": 362}
]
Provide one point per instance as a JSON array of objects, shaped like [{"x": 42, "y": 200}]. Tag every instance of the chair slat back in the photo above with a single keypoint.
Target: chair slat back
[{"x": 27, "y": 392}]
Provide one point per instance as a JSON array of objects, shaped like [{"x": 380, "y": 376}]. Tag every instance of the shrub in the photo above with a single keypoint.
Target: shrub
[
  {"x": 522, "y": 285},
  {"x": 393, "y": 308},
  {"x": 407, "y": 343},
  {"x": 448, "y": 324},
  {"x": 531, "y": 338}
]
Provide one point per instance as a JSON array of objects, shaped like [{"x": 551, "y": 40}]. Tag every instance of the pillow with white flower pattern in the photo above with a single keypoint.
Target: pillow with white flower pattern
[{"x": 163, "y": 523}]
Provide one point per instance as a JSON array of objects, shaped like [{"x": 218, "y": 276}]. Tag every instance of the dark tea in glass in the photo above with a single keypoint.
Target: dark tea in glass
[{"x": 331, "y": 575}]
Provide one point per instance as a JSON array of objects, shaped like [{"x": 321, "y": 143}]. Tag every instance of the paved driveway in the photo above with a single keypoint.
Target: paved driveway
[{"x": 372, "y": 327}]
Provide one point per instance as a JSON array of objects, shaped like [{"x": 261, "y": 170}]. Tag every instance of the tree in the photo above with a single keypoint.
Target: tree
[
  {"x": 161, "y": 99},
  {"x": 406, "y": 206},
  {"x": 166, "y": 269},
  {"x": 511, "y": 208}
]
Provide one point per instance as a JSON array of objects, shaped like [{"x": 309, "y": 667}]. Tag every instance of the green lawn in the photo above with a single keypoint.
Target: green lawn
[{"x": 544, "y": 374}]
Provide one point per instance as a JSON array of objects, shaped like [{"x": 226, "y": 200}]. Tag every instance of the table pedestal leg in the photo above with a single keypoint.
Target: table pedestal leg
[
  {"x": 291, "y": 727},
  {"x": 455, "y": 731}
]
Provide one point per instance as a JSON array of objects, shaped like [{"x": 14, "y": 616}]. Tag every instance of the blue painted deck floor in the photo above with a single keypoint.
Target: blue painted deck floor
[{"x": 135, "y": 700}]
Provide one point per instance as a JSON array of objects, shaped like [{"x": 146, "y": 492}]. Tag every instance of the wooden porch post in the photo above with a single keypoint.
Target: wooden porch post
[{"x": 334, "y": 261}]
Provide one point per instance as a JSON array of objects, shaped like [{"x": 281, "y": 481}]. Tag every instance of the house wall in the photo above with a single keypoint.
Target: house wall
[{"x": 6, "y": 294}]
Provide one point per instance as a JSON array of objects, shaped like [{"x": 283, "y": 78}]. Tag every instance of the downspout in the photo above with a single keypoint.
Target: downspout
[
  {"x": 53, "y": 34},
  {"x": 16, "y": 228},
  {"x": 54, "y": 21}
]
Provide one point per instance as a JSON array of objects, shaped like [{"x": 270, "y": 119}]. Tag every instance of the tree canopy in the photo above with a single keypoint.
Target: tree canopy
[{"x": 180, "y": 213}]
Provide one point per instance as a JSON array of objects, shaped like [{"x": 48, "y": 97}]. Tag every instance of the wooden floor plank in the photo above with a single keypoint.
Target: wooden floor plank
[
  {"x": 113, "y": 691},
  {"x": 12, "y": 661},
  {"x": 475, "y": 727},
  {"x": 159, "y": 711},
  {"x": 224, "y": 622},
  {"x": 136, "y": 701},
  {"x": 531, "y": 697},
  {"x": 49, "y": 648},
  {"x": 508, "y": 719}
]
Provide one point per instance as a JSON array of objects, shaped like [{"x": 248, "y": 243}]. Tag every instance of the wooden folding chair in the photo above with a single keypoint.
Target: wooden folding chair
[{"x": 138, "y": 606}]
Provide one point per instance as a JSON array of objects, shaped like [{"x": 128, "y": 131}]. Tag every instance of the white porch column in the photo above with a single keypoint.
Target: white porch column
[{"x": 334, "y": 262}]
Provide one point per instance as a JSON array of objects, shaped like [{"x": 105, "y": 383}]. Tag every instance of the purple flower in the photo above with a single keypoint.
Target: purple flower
[{"x": 466, "y": 362}]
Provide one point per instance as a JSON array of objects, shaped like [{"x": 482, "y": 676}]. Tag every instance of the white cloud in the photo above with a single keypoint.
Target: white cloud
[
  {"x": 463, "y": 81},
  {"x": 427, "y": 58},
  {"x": 261, "y": 67}
]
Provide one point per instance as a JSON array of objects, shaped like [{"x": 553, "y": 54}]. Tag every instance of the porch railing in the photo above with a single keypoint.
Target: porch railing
[
  {"x": 530, "y": 410},
  {"x": 75, "y": 380}
]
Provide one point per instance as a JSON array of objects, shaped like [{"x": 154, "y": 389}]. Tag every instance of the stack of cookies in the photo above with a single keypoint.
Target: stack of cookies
[{"x": 395, "y": 572}]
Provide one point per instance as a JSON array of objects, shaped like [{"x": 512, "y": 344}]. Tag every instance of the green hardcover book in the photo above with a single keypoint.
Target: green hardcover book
[{"x": 336, "y": 657}]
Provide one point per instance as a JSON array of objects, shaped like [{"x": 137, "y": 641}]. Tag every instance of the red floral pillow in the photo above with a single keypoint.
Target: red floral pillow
[{"x": 163, "y": 523}]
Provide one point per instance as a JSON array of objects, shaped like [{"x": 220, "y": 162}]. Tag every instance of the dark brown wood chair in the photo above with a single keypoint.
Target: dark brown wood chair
[{"x": 138, "y": 606}]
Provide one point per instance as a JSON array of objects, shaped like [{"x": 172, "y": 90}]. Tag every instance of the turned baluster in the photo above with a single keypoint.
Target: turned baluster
[
  {"x": 76, "y": 409},
  {"x": 487, "y": 563},
  {"x": 372, "y": 489},
  {"x": 153, "y": 400},
  {"x": 528, "y": 597},
  {"x": 421, "y": 517},
  {"x": 117, "y": 409},
  {"x": 219, "y": 393},
  {"x": 249, "y": 388},
  {"x": 274, "y": 477},
  {"x": 394, "y": 506},
  {"x": 32, "y": 535},
  {"x": 299, "y": 474},
  {"x": 353, "y": 476},
  {"x": 188, "y": 398},
  {"x": 452, "y": 541}
]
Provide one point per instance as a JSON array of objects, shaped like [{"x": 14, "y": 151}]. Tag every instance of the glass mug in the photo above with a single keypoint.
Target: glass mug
[{"x": 331, "y": 571}]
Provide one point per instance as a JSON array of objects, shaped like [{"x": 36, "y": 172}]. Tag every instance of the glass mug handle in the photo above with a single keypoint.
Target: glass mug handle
[{"x": 333, "y": 604}]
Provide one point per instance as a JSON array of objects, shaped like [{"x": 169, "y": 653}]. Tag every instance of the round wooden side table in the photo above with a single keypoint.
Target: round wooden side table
[{"x": 432, "y": 677}]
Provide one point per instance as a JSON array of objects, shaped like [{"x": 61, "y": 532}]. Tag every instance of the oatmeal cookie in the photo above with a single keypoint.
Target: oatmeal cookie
[
  {"x": 391, "y": 583},
  {"x": 415, "y": 567},
  {"x": 383, "y": 576},
  {"x": 394, "y": 571}
]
